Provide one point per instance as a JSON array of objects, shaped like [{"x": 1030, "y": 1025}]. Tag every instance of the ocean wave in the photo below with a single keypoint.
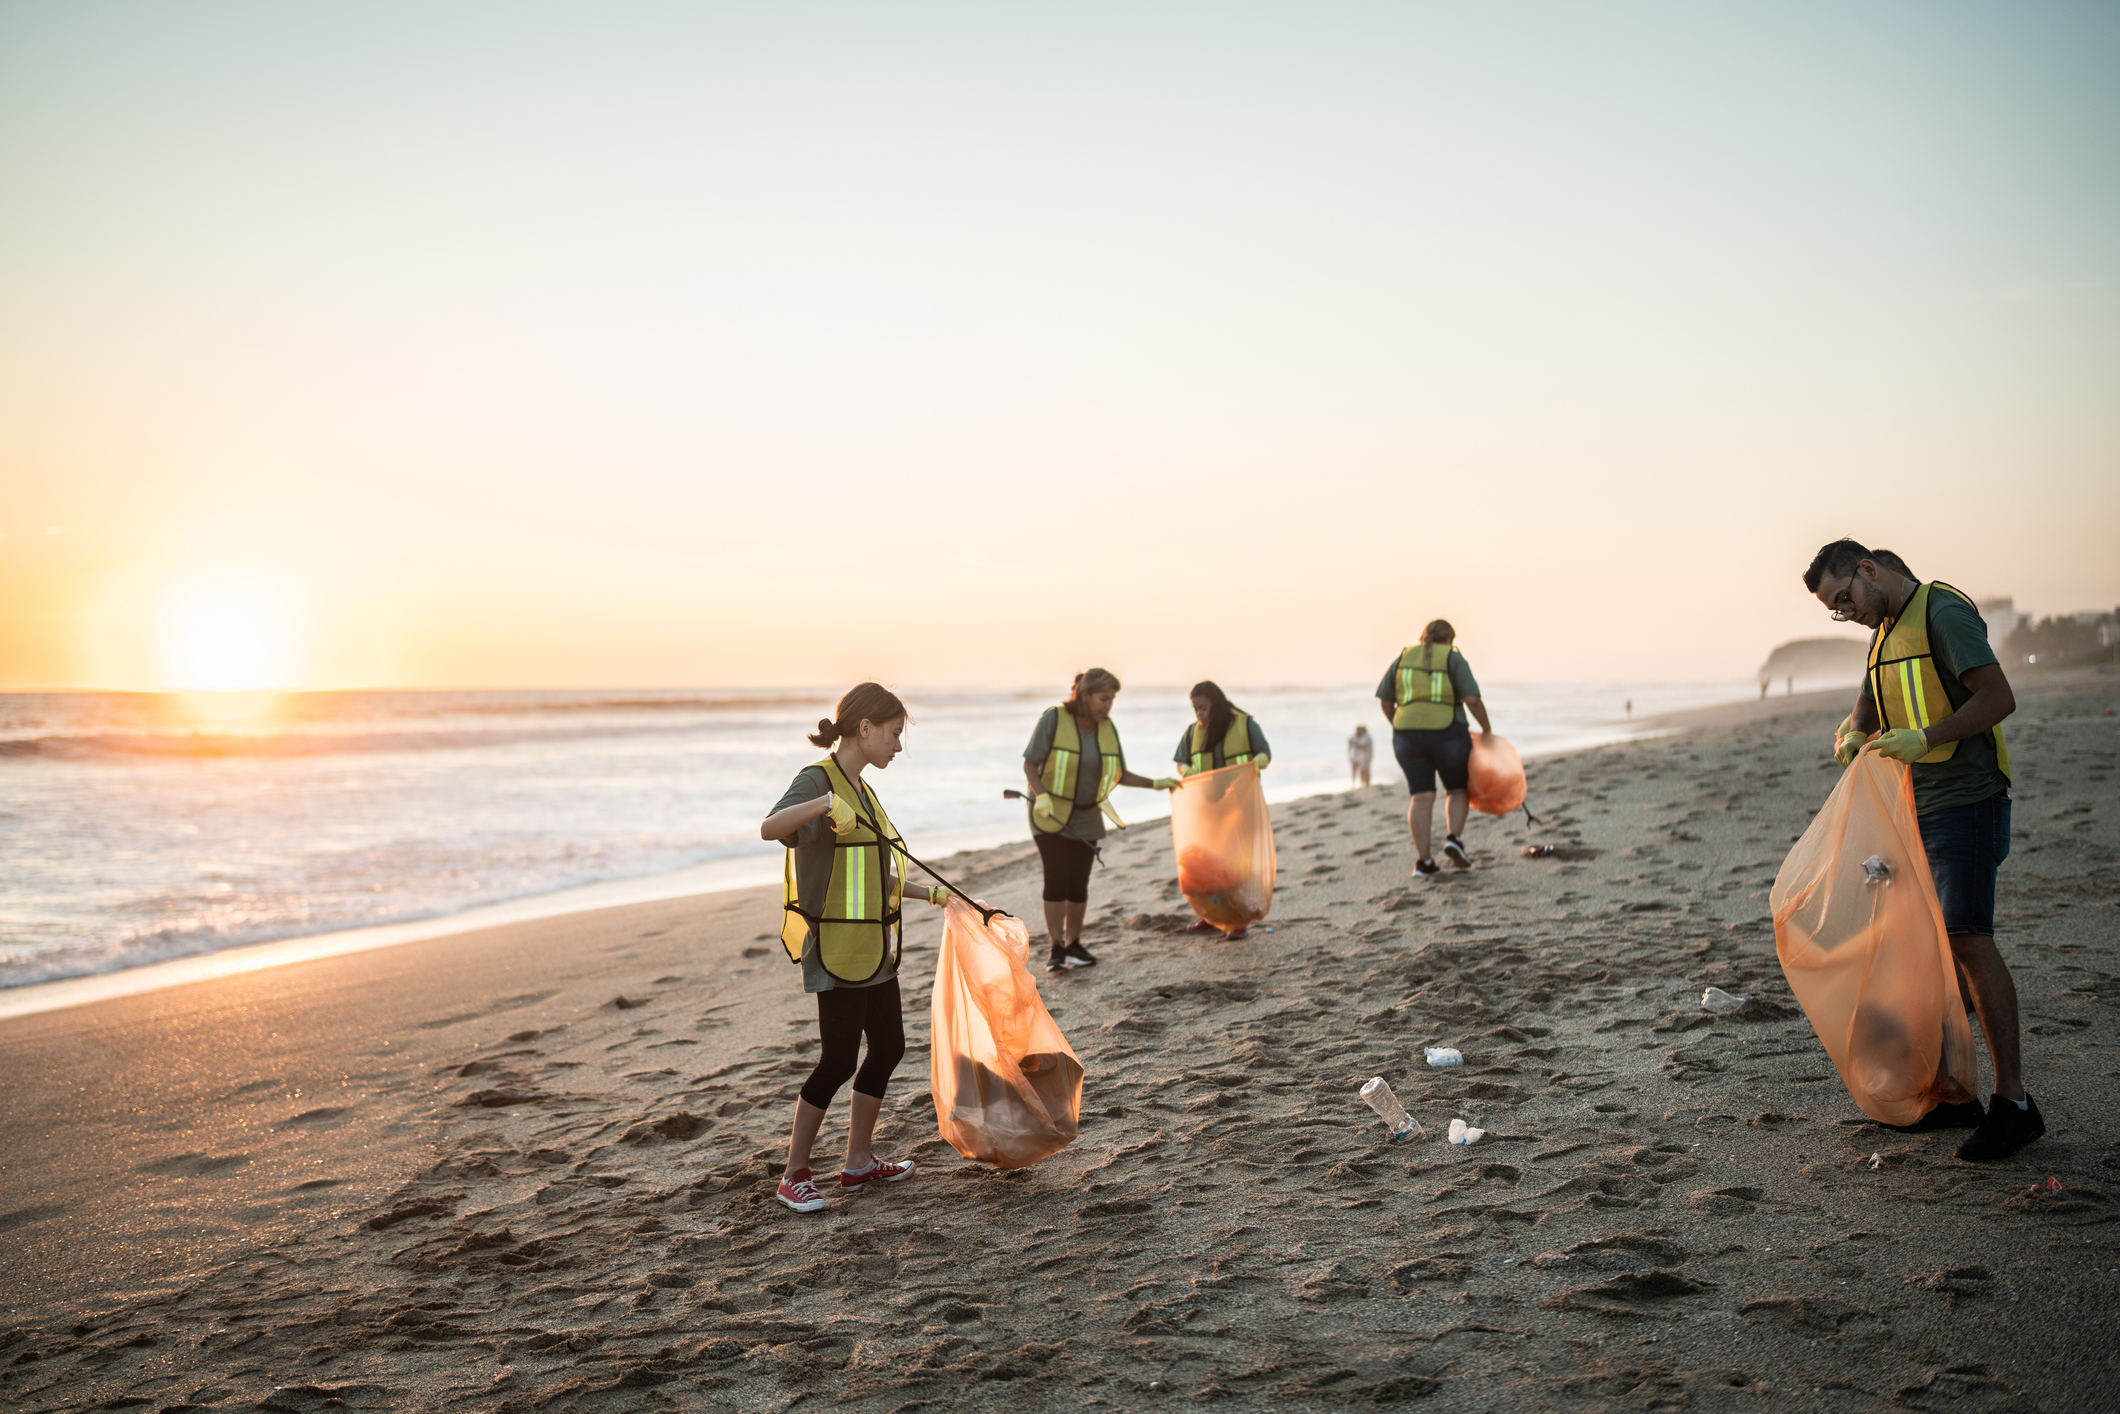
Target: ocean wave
[{"x": 216, "y": 745}]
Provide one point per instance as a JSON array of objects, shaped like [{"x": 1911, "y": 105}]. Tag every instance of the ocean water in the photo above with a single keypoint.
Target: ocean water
[{"x": 138, "y": 828}]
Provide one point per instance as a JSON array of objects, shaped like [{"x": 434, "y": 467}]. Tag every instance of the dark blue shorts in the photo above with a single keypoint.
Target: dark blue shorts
[
  {"x": 1425, "y": 755},
  {"x": 1966, "y": 844}
]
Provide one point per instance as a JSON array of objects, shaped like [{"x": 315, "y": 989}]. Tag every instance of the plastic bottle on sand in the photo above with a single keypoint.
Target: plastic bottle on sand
[
  {"x": 1715, "y": 999},
  {"x": 1443, "y": 1055},
  {"x": 1402, "y": 1125}
]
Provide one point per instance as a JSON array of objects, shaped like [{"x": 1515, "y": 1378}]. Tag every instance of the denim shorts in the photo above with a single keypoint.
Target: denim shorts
[
  {"x": 1965, "y": 845},
  {"x": 1424, "y": 755}
]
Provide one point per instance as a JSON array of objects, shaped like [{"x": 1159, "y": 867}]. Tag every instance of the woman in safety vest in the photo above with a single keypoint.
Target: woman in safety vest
[
  {"x": 1221, "y": 735},
  {"x": 1425, "y": 694},
  {"x": 843, "y": 888},
  {"x": 1072, "y": 762}
]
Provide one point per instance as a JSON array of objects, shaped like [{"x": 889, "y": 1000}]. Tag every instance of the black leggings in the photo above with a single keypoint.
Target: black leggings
[
  {"x": 1067, "y": 861},
  {"x": 843, "y": 1015}
]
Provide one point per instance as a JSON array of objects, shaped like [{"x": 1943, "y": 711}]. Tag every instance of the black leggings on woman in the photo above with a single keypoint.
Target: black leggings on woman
[
  {"x": 843, "y": 1015},
  {"x": 1067, "y": 863}
]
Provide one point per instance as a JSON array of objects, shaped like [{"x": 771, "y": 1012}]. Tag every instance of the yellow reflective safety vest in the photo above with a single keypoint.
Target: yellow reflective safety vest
[
  {"x": 858, "y": 927},
  {"x": 1425, "y": 699},
  {"x": 1904, "y": 682},
  {"x": 1064, "y": 761},
  {"x": 1236, "y": 744}
]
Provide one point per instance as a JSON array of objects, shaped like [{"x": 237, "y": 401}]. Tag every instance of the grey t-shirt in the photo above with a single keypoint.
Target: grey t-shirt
[
  {"x": 1257, "y": 733},
  {"x": 1461, "y": 682},
  {"x": 1087, "y": 823},
  {"x": 814, "y": 845}
]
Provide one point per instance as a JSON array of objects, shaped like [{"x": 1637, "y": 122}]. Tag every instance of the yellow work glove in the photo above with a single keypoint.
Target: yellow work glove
[
  {"x": 938, "y": 895},
  {"x": 1847, "y": 742},
  {"x": 1907, "y": 744},
  {"x": 1261, "y": 759},
  {"x": 841, "y": 814},
  {"x": 1164, "y": 783},
  {"x": 1042, "y": 808}
]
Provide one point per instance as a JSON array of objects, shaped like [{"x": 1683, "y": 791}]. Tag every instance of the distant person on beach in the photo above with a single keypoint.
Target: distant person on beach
[
  {"x": 1221, "y": 735},
  {"x": 1072, "y": 762},
  {"x": 1425, "y": 694},
  {"x": 1936, "y": 697},
  {"x": 841, "y": 898},
  {"x": 1361, "y": 749}
]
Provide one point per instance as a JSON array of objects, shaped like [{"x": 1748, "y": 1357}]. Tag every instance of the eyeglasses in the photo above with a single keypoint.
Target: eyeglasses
[{"x": 1842, "y": 609}]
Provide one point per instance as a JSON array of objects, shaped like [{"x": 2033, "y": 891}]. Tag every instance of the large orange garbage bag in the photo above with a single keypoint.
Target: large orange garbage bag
[
  {"x": 1224, "y": 842},
  {"x": 1494, "y": 779},
  {"x": 1861, "y": 940},
  {"x": 1008, "y": 1088}
]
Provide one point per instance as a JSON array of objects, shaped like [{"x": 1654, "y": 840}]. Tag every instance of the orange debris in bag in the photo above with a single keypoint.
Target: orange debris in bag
[
  {"x": 1494, "y": 778},
  {"x": 1862, "y": 942},
  {"x": 1223, "y": 836},
  {"x": 1007, "y": 1086}
]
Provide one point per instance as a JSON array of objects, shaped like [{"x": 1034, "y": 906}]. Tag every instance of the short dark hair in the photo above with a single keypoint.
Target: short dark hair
[
  {"x": 1838, "y": 560},
  {"x": 1886, "y": 560}
]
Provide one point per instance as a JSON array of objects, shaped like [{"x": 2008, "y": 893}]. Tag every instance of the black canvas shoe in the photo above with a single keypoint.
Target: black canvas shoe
[
  {"x": 1965, "y": 1116},
  {"x": 1078, "y": 955},
  {"x": 1455, "y": 849},
  {"x": 1057, "y": 962},
  {"x": 2005, "y": 1130},
  {"x": 1427, "y": 868}
]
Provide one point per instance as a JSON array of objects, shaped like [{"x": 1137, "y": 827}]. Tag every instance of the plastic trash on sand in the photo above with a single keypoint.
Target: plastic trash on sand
[
  {"x": 1224, "y": 842},
  {"x": 1715, "y": 999},
  {"x": 1872, "y": 966},
  {"x": 1462, "y": 1133},
  {"x": 1443, "y": 1055},
  {"x": 1403, "y": 1126},
  {"x": 1008, "y": 1087},
  {"x": 1494, "y": 778}
]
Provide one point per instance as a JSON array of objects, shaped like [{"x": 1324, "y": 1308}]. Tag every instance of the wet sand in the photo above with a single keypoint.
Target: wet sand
[{"x": 531, "y": 1168}]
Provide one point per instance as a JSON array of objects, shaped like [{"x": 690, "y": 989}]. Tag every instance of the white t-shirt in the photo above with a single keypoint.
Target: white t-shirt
[{"x": 1359, "y": 749}]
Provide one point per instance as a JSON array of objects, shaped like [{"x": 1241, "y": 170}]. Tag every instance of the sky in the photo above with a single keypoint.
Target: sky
[{"x": 522, "y": 344}]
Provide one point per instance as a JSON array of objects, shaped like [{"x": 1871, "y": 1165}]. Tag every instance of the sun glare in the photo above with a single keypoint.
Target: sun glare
[{"x": 227, "y": 635}]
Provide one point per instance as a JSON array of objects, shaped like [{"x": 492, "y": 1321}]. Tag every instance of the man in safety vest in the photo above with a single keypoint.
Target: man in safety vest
[
  {"x": 1425, "y": 694},
  {"x": 1934, "y": 696}
]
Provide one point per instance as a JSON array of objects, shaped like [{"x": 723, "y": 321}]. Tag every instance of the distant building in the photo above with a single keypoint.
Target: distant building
[{"x": 2002, "y": 617}]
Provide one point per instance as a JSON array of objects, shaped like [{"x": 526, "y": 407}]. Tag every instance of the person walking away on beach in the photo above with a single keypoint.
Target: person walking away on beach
[
  {"x": 1072, "y": 762},
  {"x": 1221, "y": 735},
  {"x": 1361, "y": 748},
  {"x": 843, "y": 891},
  {"x": 1935, "y": 696},
  {"x": 1425, "y": 694}
]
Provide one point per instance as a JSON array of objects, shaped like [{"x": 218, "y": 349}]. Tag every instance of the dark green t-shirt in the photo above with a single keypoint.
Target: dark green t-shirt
[
  {"x": 1256, "y": 732},
  {"x": 1087, "y": 823},
  {"x": 1958, "y": 638},
  {"x": 814, "y": 845},
  {"x": 1461, "y": 682}
]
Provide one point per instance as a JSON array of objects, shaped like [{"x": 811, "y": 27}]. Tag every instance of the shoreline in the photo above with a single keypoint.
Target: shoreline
[
  {"x": 531, "y": 1168},
  {"x": 712, "y": 877}
]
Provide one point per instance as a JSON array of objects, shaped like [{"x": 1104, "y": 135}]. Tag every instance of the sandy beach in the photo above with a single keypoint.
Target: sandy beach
[{"x": 531, "y": 1168}]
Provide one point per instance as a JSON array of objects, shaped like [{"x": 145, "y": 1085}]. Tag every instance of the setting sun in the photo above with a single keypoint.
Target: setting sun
[{"x": 227, "y": 634}]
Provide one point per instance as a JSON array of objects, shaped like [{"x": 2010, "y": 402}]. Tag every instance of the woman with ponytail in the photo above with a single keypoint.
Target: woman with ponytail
[
  {"x": 1072, "y": 762},
  {"x": 843, "y": 889},
  {"x": 1222, "y": 734}
]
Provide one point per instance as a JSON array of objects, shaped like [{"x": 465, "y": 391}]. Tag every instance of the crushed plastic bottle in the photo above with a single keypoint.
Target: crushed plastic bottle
[
  {"x": 1462, "y": 1133},
  {"x": 1441, "y": 1056},
  {"x": 1403, "y": 1126},
  {"x": 1876, "y": 1162},
  {"x": 1875, "y": 871},
  {"x": 1715, "y": 999}
]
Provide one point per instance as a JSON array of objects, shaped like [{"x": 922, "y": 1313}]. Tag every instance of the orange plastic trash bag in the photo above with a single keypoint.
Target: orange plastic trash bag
[
  {"x": 1224, "y": 842},
  {"x": 1861, "y": 940},
  {"x": 1494, "y": 778},
  {"x": 1008, "y": 1088}
]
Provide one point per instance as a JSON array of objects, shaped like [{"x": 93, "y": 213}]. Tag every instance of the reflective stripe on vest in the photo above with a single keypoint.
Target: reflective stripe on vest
[
  {"x": 1905, "y": 684},
  {"x": 1235, "y": 749},
  {"x": 1064, "y": 761},
  {"x": 1426, "y": 700},
  {"x": 860, "y": 918}
]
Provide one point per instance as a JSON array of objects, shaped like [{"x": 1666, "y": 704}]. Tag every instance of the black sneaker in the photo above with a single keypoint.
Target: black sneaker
[
  {"x": 1427, "y": 868},
  {"x": 1455, "y": 848},
  {"x": 1078, "y": 955},
  {"x": 1057, "y": 962},
  {"x": 2005, "y": 1130},
  {"x": 1965, "y": 1116}
]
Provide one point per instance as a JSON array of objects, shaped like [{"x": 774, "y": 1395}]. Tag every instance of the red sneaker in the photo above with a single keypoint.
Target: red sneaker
[
  {"x": 797, "y": 1192},
  {"x": 877, "y": 1170}
]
